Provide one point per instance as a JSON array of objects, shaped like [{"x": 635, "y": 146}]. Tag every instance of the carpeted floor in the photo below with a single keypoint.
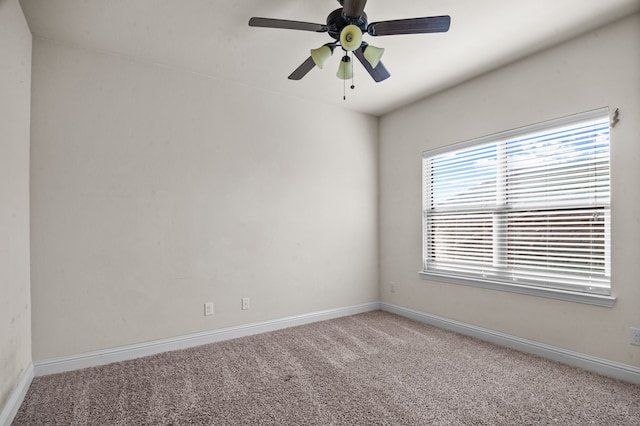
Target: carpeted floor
[{"x": 369, "y": 369}]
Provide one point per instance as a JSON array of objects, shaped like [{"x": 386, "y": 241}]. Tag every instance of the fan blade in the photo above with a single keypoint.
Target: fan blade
[
  {"x": 353, "y": 8},
  {"x": 303, "y": 69},
  {"x": 287, "y": 25},
  {"x": 432, "y": 24},
  {"x": 378, "y": 73}
]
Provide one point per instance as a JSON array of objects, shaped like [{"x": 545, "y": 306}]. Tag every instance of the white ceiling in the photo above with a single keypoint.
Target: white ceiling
[{"x": 212, "y": 37}]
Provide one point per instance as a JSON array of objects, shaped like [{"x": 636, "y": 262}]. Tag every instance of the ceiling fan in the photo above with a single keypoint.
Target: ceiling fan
[{"x": 346, "y": 26}]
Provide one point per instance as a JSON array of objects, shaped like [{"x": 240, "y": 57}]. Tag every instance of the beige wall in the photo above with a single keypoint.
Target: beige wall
[
  {"x": 15, "y": 306},
  {"x": 599, "y": 69},
  {"x": 156, "y": 190}
]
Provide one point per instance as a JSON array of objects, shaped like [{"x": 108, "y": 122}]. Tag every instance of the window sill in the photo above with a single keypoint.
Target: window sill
[{"x": 550, "y": 293}]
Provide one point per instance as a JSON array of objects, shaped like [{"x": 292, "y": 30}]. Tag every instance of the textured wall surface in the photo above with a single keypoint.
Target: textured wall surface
[
  {"x": 155, "y": 190},
  {"x": 15, "y": 304},
  {"x": 596, "y": 70}
]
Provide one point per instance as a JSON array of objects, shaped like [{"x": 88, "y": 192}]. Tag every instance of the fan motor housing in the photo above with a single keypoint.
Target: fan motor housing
[{"x": 336, "y": 22}]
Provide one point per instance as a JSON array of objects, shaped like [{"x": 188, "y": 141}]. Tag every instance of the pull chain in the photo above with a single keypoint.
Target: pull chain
[
  {"x": 353, "y": 86},
  {"x": 344, "y": 82},
  {"x": 344, "y": 90}
]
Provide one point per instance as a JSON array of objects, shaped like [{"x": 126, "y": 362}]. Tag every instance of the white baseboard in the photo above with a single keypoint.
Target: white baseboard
[
  {"x": 90, "y": 359},
  {"x": 16, "y": 397},
  {"x": 123, "y": 353},
  {"x": 601, "y": 366}
]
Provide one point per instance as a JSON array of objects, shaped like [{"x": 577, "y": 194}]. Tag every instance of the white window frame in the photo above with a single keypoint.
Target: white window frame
[{"x": 549, "y": 290}]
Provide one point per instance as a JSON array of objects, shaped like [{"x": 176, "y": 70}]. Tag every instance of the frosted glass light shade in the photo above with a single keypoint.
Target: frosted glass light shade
[
  {"x": 351, "y": 38},
  {"x": 320, "y": 55},
  {"x": 345, "y": 70},
  {"x": 373, "y": 55}
]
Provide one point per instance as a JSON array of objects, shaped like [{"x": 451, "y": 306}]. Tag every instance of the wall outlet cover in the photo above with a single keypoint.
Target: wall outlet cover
[{"x": 208, "y": 309}]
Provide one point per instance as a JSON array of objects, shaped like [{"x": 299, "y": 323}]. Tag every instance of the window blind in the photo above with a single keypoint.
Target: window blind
[{"x": 529, "y": 207}]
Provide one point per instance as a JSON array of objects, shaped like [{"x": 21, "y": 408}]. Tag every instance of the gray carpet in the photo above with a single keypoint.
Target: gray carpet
[{"x": 369, "y": 369}]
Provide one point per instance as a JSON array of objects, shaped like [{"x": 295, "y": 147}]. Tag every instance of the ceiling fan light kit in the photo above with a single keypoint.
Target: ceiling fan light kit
[
  {"x": 372, "y": 54},
  {"x": 321, "y": 54},
  {"x": 346, "y": 26},
  {"x": 345, "y": 70},
  {"x": 351, "y": 38}
]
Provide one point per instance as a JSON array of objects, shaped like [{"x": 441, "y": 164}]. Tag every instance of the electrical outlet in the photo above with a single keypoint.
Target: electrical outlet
[
  {"x": 392, "y": 287},
  {"x": 245, "y": 303},
  {"x": 634, "y": 336},
  {"x": 208, "y": 309}
]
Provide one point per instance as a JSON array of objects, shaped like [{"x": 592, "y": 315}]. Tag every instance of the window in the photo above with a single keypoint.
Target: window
[{"x": 526, "y": 210}]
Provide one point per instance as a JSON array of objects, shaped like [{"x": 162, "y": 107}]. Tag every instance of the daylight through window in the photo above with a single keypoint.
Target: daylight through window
[{"x": 529, "y": 207}]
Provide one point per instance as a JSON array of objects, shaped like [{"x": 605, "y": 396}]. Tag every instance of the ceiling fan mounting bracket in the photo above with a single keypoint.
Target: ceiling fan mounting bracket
[{"x": 336, "y": 22}]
